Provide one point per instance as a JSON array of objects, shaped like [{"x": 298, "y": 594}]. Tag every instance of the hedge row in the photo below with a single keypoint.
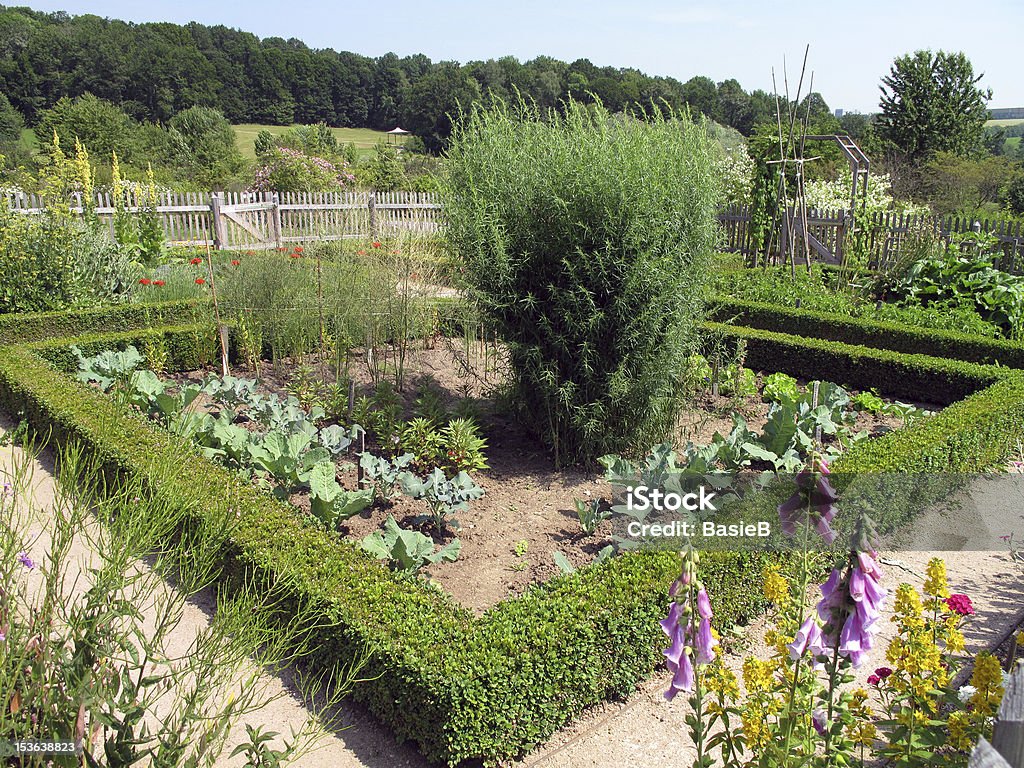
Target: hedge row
[
  {"x": 37, "y": 326},
  {"x": 871, "y": 333},
  {"x": 921, "y": 378},
  {"x": 463, "y": 688}
]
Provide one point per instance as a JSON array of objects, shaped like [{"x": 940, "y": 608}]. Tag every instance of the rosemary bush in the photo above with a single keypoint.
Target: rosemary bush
[{"x": 587, "y": 239}]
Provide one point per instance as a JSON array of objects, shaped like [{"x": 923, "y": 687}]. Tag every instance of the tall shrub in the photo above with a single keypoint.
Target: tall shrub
[{"x": 587, "y": 239}]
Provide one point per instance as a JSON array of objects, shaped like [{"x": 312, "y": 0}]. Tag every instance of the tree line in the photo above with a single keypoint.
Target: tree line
[{"x": 153, "y": 71}]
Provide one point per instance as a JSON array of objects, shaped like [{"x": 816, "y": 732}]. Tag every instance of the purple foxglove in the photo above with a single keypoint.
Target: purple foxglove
[{"x": 808, "y": 639}]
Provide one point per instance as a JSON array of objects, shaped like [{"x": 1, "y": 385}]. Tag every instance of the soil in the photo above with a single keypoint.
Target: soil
[{"x": 508, "y": 537}]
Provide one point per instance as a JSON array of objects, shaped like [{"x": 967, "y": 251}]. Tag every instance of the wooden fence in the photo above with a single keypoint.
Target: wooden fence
[
  {"x": 885, "y": 234},
  {"x": 254, "y": 221}
]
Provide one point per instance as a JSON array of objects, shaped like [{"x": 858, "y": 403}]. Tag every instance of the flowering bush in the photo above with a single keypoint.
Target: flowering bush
[
  {"x": 288, "y": 170},
  {"x": 798, "y": 706}
]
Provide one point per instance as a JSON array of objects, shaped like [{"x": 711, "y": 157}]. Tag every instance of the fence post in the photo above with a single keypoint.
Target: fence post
[
  {"x": 219, "y": 232},
  {"x": 275, "y": 218},
  {"x": 1008, "y": 734},
  {"x": 371, "y": 206}
]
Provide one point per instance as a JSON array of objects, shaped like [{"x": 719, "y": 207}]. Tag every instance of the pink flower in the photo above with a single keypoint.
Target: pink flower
[
  {"x": 678, "y": 626},
  {"x": 873, "y": 680},
  {"x": 813, "y": 502},
  {"x": 852, "y": 607},
  {"x": 808, "y": 640},
  {"x": 960, "y": 604}
]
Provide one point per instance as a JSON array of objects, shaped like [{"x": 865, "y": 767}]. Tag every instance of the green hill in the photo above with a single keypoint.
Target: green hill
[{"x": 364, "y": 138}]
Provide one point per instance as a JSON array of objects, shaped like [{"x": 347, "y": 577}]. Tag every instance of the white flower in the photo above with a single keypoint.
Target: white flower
[{"x": 965, "y": 693}]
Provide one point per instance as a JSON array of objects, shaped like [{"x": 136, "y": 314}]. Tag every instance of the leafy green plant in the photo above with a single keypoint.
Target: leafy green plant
[
  {"x": 587, "y": 239},
  {"x": 421, "y": 438},
  {"x": 383, "y": 474},
  {"x": 780, "y": 388},
  {"x": 289, "y": 459},
  {"x": 108, "y": 367},
  {"x": 408, "y": 551},
  {"x": 868, "y": 401},
  {"x": 566, "y": 566},
  {"x": 329, "y": 502},
  {"x": 463, "y": 447},
  {"x": 591, "y": 513},
  {"x": 445, "y": 497}
]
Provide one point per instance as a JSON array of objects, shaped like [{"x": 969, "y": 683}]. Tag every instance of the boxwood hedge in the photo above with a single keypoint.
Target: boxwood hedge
[{"x": 485, "y": 688}]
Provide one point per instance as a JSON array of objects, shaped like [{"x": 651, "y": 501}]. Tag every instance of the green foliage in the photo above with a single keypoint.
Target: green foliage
[
  {"x": 587, "y": 239},
  {"x": 382, "y": 475},
  {"x": 816, "y": 292},
  {"x": 11, "y": 123},
  {"x": 780, "y": 388},
  {"x": 385, "y": 171},
  {"x": 893, "y": 335},
  {"x": 964, "y": 274},
  {"x": 408, "y": 551},
  {"x": 931, "y": 103},
  {"x": 868, "y": 401},
  {"x": 445, "y": 497},
  {"x": 288, "y": 170},
  {"x": 203, "y": 145},
  {"x": 329, "y": 502},
  {"x": 98, "y": 124},
  {"x": 591, "y": 513},
  {"x": 432, "y": 672}
]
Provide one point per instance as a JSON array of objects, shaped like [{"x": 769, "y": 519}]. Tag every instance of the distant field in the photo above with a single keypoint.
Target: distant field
[
  {"x": 1005, "y": 123},
  {"x": 28, "y": 138},
  {"x": 1011, "y": 144},
  {"x": 365, "y": 139}
]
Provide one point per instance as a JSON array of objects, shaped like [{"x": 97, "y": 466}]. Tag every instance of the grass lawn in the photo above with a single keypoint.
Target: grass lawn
[
  {"x": 1004, "y": 123},
  {"x": 1011, "y": 144},
  {"x": 364, "y": 138},
  {"x": 28, "y": 139}
]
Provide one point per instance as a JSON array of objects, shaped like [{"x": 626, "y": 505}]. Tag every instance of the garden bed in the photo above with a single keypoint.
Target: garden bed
[{"x": 510, "y": 536}]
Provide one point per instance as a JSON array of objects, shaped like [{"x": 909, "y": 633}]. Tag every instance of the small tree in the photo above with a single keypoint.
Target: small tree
[
  {"x": 931, "y": 103},
  {"x": 587, "y": 240},
  {"x": 386, "y": 171}
]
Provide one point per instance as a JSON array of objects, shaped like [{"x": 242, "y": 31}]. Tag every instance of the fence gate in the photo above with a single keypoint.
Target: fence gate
[{"x": 243, "y": 221}]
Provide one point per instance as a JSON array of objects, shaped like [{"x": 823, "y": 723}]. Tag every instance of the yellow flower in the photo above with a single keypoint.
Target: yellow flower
[
  {"x": 776, "y": 588},
  {"x": 757, "y": 675},
  {"x": 936, "y": 585},
  {"x": 907, "y": 608},
  {"x": 960, "y": 737},
  {"x": 987, "y": 680}
]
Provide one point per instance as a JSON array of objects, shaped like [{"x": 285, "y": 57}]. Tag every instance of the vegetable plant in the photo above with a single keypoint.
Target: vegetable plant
[
  {"x": 444, "y": 497},
  {"x": 591, "y": 514},
  {"x": 329, "y": 502},
  {"x": 383, "y": 474},
  {"x": 407, "y": 551}
]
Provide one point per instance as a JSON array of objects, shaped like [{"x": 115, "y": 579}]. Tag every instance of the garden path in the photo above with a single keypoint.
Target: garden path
[{"x": 358, "y": 741}]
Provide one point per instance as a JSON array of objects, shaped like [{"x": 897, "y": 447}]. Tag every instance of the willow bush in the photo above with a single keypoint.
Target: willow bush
[{"x": 587, "y": 239}]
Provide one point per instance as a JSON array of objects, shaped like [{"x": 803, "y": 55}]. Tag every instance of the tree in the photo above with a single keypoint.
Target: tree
[
  {"x": 434, "y": 98},
  {"x": 11, "y": 122},
  {"x": 931, "y": 103},
  {"x": 386, "y": 172},
  {"x": 99, "y": 125},
  {"x": 204, "y": 145}
]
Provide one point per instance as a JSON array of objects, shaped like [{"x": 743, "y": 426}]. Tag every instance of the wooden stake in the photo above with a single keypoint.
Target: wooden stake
[{"x": 221, "y": 328}]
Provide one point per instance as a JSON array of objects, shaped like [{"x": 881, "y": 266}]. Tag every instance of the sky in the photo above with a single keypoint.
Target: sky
[{"x": 852, "y": 44}]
